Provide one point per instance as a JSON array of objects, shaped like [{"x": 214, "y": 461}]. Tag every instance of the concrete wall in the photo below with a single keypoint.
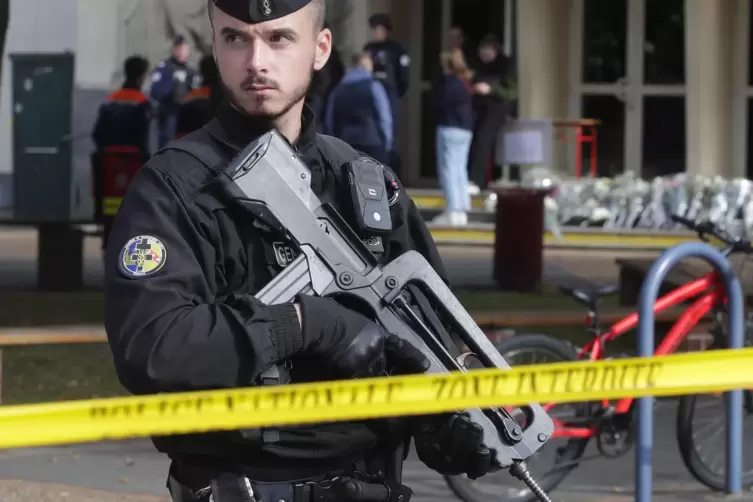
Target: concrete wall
[{"x": 36, "y": 26}]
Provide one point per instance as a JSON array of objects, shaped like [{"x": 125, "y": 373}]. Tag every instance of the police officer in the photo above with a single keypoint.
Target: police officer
[
  {"x": 391, "y": 64},
  {"x": 199, "y": 105},
  {"x": 183, "y": 268},
  {"x": 122, "y": 126},
  {"x": 358, "y": 111},
  {"x": 171, "y": 81}
]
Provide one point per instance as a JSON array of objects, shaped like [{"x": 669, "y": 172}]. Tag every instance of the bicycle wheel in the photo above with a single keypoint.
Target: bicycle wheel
[
  {"x": 701, "y": 419},
  {"x": 551, "y": 350}
]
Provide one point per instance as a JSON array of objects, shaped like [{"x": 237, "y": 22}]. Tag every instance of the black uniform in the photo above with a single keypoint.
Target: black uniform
[
  {"x": 180, "y": 315},
  {"x": 168, "y": 330}
]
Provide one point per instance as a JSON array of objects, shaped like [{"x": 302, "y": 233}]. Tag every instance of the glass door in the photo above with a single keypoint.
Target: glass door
[{"x": 631, "y": 56}]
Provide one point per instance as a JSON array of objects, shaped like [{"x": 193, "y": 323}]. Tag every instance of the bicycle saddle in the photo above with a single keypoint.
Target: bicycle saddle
[{"x": 590, "y": 298}]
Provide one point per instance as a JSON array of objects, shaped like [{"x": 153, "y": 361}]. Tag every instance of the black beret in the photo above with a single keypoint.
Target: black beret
[
  {"x": 258, "y": 11},
  {"x": 179, "y": 40}
]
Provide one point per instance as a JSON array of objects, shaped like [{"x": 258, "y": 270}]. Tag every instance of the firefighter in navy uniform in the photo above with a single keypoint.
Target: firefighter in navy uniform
[
  {"x": 171, "y": 81},
  {"x": 121, "y": 129},
  {"x": 200, "y": 105},
  {"x": 391, "y": 66},
  {"x": 183, "y": 267}
]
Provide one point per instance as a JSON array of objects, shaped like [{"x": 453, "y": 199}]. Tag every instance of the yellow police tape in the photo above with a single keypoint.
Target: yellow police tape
[{"x": 164, "y": 414}]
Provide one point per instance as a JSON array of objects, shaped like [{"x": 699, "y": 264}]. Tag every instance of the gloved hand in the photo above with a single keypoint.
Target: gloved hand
[
  {"x": 451, "y": 445},
  {"x": 352, "y": 344}
]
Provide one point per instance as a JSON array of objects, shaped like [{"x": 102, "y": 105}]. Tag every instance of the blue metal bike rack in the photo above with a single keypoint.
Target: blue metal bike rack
[{"x": 646, "y": 341}]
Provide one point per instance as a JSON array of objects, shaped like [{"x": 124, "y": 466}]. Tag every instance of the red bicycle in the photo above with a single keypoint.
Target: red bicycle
[{"x": 611, "y": 424}]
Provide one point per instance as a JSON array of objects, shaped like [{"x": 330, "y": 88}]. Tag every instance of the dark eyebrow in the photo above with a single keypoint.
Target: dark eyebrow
[
  {"x": 280, "y": 32},
  {"x": 232, "y": 31},
  {"x": 285, "y": 32}
]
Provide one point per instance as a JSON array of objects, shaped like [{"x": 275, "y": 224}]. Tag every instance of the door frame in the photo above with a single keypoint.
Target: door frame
[{"x": 630, "y": 89}]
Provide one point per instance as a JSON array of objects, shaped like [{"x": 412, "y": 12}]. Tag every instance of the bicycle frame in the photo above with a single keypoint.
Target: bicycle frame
[{"x": 710, "y": 288}]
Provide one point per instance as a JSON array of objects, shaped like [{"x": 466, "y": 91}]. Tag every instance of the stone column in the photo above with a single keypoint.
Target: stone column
[
  {"x": 709, "y": 85},
  {"x": 349, "y": 25},
  {"x": 97, "y": 40},
  {"x": 543, "y": 33}
]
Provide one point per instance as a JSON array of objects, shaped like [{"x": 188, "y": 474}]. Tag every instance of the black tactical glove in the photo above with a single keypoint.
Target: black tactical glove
[
  {"x": 451, "y": 445},
  {"x": 352, "y": 344}
]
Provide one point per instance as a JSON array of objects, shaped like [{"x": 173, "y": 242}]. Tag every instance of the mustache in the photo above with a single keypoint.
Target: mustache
[{"x": 258, "y": 80}]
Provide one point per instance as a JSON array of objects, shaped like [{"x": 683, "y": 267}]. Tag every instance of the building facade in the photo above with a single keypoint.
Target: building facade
[{"x": 670, "y": 80}]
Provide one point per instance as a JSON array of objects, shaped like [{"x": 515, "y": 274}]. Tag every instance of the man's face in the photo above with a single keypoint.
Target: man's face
[
  {"x": 378, "y": 33},
  {"x": 266, "y": 68},
  {"x": 181, "y": 52},
  {"x": 487, "y": 53}
]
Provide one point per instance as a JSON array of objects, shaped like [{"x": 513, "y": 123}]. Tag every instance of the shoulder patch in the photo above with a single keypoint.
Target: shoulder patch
[
  {"x": 404, "y": 60},
  {"x": 142, "y": 256}
]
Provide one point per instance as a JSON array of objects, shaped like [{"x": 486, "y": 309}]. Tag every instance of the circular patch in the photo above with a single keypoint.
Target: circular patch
[
  {"x": 142, "y": 256},
  {"x": 404, "y": 60}
]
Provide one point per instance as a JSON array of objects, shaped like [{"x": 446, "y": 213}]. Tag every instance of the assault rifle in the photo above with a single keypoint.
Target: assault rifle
[{"x": 269, "y": 180}]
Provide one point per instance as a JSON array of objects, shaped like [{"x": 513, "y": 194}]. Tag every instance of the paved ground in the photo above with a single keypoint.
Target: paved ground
[{"x": 133, "y": 472}]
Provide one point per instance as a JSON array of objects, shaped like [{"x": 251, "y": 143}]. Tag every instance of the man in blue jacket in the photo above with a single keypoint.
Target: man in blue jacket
[
  {"x": 358, "y": 111},
  {"x": 171, "y": 81}
]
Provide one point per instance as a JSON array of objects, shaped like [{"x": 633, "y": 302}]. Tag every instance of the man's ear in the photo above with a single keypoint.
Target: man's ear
[{"x": 323, "y": 48}]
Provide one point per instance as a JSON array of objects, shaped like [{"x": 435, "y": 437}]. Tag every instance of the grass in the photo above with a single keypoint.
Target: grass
[{"x": 82, "y": 371}]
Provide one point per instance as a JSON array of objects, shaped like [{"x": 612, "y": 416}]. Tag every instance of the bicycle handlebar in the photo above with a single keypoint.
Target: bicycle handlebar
[{"x": 707, "y": 227}]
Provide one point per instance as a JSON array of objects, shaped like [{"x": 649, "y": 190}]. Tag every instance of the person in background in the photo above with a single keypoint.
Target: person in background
[
  {"x": 456, "y": 41},
  {"x": 391, "y": 67},
  {"x": 324, "y": 81},
  {"x": 122, "y": 127},
  {"x": 199, "y": 105},
  {"x": 494, "y": 92},
  {"x": 171, "y": 81},
  {"x": 358, "y": 111},
  {"x": 123, "y": 119},
  {"x": 453, "y": 111}
]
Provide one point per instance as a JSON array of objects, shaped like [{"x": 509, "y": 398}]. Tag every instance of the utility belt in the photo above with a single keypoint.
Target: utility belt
[
  {"x": 355, "y": 484},
  {"x": 374, "y": 480},
  {"x": 229, "y": 487}
]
